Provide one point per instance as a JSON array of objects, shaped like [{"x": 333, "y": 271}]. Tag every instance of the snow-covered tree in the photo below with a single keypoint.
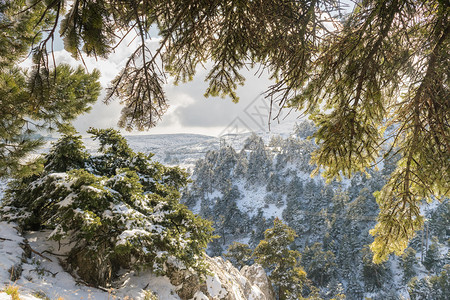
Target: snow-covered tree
[
  {"x": 408, "y": 262},
  {"x": 68, "y": 153},
  {"x": 433, "y": 259},
  {"x": 374, "y": 275},
  {"x": 439, "y": 221},
  {"x": 259, "y": 161},
  {"x": 305, "y": 129},
  {"x": 274, "y": 254},
  {"x": 116, "y": 210},
  {"x": 319, "y": 265},
  {"x": 420, "y": 289}
]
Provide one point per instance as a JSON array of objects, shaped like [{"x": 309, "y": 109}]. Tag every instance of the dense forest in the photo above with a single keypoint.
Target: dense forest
[{"x": 242, "y": 191}]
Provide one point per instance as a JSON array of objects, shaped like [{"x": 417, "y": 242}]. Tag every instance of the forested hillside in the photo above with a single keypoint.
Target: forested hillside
[{"x": 243, "y": 190}]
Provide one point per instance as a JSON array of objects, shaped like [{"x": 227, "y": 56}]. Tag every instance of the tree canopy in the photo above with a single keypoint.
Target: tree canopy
[
  {"x": 44, "y": 97},
  {"x": 375, "y": 81}
]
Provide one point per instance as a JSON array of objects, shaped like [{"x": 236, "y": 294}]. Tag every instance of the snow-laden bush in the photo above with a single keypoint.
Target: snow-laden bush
[{"x": 118, "y": 209}]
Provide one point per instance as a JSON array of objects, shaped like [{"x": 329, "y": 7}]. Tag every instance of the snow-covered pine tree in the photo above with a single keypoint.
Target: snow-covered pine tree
[
  {"x": 68, "y": 153},
  {"x": 374, "y": 275},
  {"x": 420, "y": 288},
  {"x": 408, "y": 261},
  {"x": 431, "y": 287},
  {"x": 259, "y": 161},
  {"x": 319, "y": 265},
  {"x": 274, "y": 254},
  {"x": 117, "y": 210},
  {"x": 433, "y": 259}
]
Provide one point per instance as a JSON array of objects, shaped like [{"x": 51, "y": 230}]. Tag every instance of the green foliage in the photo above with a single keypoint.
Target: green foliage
[
  {"x": 41, "y": 99},
  {"x": 384, "y": 65},
  {"x": 120, "y": 216},
  {"x": 239, "y": 254},
  {"x": 441, "y": 283},
  {"x": 149, "y": 295},
  {"x": 408, "y": 261},
  {"x": 68, "y": 153},
  {"x": 319, "y": 265},
  {"x": 46, "y": 104},
  {"x": 13, "y": 291},
  {"x": 433, "y": 257},
  {"x": 273, "y": 253},
  {"x": 375, "y": 275}
]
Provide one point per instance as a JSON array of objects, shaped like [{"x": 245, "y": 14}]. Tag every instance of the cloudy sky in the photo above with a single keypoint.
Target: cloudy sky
[{"x": 190, "y": 111}]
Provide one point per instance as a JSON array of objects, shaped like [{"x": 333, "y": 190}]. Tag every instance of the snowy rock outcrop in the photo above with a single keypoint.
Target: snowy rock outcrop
[
  {"x": 257, "y": 277},
  {"x": 224, "y": 283}
]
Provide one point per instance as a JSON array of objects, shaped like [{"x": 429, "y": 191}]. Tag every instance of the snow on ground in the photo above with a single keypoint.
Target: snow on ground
[
  {"x": 5, "y": 296},
  {"x": 44, "y": 276},
  {"x": 10, "y": 251},
  {"x": 214, "y": 286},
  {"x": 251, "y": 201},
  {"x": 273, "y": 211},
  {"x": 254, "y": 200}
]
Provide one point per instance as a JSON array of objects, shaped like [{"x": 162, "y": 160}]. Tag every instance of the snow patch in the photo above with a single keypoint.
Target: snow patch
[
  {"x": 10, "y": 250},
  {"x": 214, "y": 286}
]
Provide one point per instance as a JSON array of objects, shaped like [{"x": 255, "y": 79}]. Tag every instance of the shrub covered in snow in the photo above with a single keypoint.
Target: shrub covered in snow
[{"x": 118, "y": 209}]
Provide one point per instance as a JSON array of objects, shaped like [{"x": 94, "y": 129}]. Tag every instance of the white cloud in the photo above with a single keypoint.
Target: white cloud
[{"x": 189, "y": 111}]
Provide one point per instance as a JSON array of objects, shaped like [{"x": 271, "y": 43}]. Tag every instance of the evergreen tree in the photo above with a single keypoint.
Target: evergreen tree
[
  {"x": 294, "y": 189},
  {"x": 319, "y": 265},
  {"x": 239, "y": 254},
  {"x": 310, "y": 191},
  {"x": 28, "y": 108},
  {"x": 374, "y": 275},
  {"x": 420, "y": 289},
  {"x": 242, "y": 166},
  {"x": 408, "y": 262},
  {"x": 274, "y": 183},
  {"x": 37, "y": 100},
  {"x": 260, "y": 224},
  {"x": 441, "y": 284},
  {"x": 305, "y": 129},
  {"x": 259, "y": 162},
  {"x": 116, "y": 210},
  {"x": 433, "y": 257},
  {"x": 431, "y": 287},
  {"x": 67, "y": 153},
  {"x": 273, "y": 253},
  {"x": 439, "y": 221}
]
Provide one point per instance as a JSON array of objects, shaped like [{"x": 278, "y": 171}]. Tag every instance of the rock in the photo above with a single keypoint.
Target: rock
[
  {"x": 257, "y": 276},
  {"x": 190, "y": 286},
  {"x": 224, "y": 282}
]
